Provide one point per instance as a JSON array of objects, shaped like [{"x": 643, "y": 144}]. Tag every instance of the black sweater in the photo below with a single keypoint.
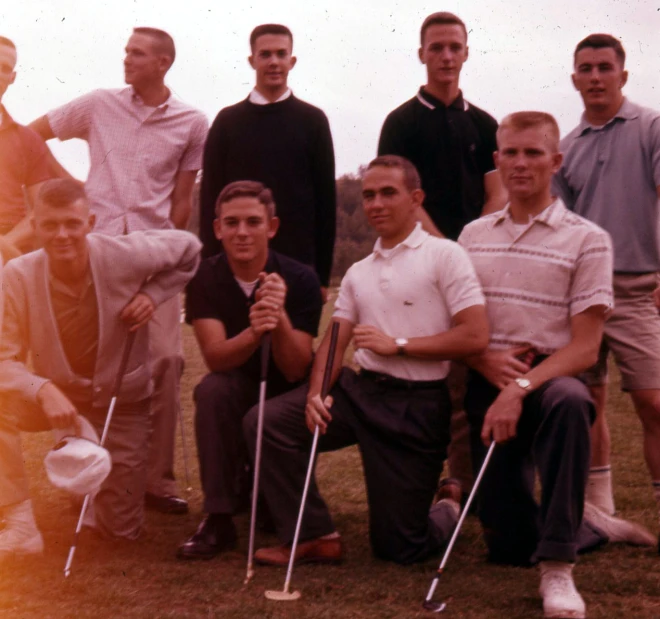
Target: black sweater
[{"x": 288, "y": 147}]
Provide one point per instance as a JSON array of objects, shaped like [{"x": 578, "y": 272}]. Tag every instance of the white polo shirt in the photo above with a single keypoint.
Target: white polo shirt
[
  {"x": 411, "y": 290},
  {"x": 136, "y": 152}
]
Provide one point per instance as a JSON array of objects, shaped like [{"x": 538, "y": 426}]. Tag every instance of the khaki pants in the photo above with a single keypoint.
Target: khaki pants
[{"x": 119, "y": 505}]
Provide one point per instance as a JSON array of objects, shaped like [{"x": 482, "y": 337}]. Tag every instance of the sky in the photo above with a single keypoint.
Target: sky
[{"x": 356, "y": 60}]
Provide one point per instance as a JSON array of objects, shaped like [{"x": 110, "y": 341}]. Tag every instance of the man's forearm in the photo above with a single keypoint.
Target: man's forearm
[
  {"x": 292, "y": 350},
  {"x": 180, "y": 213},
  {"x": 231, "y": 353}
]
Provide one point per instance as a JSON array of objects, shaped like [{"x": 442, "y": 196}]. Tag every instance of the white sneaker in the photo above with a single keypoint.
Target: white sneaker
[
  {"x": 20, "y": 542},
  {"x": 561, "y": 599},
  {"x": 618, "y": 529}
]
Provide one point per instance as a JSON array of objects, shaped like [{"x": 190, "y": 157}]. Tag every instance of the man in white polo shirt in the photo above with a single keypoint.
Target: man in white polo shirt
[
  {"x": 145, "y": 150},
  {"x": 410, "y": 307},
  {"x": 546, "y": 275}
]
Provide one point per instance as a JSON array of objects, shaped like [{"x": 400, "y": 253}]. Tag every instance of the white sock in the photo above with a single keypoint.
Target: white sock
[
  {"x": 599, "y": 488},
  {"x": 20, "y": 516},
  {"x": 656, "y": 493}
]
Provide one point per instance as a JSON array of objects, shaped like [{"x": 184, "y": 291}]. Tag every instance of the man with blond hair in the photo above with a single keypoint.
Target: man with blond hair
[
  {"x": 145, "y": 149},
  {"x": 546, "y": 275}
]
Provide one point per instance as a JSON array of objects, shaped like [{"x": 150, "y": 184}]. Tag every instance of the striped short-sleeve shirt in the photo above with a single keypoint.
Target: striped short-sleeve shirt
[
  {"x": 136, "y": 152},
  {"x": 537, "y": 278}
]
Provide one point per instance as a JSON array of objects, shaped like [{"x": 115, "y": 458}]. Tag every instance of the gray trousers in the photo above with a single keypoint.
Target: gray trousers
[
  {"x": 165, "y": 350},
  {"x": 119, "y": 505},
  {"x": 402, "y": 434}
]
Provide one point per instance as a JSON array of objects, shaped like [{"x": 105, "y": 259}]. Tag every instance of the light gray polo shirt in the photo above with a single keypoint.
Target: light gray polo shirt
[{"x": 610, "y": 175}]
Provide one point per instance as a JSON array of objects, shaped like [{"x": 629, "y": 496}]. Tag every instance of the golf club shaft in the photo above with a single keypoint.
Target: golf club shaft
[
  {"x": 459, "y": 524},
  {"x": 111, "y": 409},
  {"x": 265, "y": 356},
  {"x": 325, "y": 387},
  {"x": 185, "y": 449}
]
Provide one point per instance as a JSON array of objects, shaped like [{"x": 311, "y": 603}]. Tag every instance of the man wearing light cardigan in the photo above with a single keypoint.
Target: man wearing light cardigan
[{"x": 71, "y": 305}]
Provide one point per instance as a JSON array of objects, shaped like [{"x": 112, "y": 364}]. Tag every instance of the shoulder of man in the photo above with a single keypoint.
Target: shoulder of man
[
  {"x": 411, "y": 106},
  {"x": 480, "y": 116}
]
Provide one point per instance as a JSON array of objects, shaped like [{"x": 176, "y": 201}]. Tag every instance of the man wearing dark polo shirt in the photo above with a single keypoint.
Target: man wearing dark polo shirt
[
  {"x": 450, "y": 141},
  {"x": 23, "y": 162},
  {"x": 235, "y": 298}
]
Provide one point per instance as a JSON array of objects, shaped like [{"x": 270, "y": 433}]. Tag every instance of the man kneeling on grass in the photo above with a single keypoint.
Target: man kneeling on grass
[
  {"x": 547, "y": 277},
  {"x": 70, "y": 305},
  {"x": 234, "y": 299},
  {"x": 411, "y": 307}
]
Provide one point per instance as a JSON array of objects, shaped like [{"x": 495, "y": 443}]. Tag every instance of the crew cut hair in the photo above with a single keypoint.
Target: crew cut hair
[
  {"x": 61, "y": 192},
  {"x": 442, "y": 18},
  {"x": 7, "y": 42},
  {"x": 164, "y": 41},
  {"x": 269, "y": 29},
  {"x": 519, "y": 121},
  {"x": 246, "y": 189},
  {"x": 600, "y": 41},
  {"x": 411, "y": 179}
]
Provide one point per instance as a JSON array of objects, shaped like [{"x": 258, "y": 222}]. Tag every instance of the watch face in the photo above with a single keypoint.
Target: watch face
[
  {"x": 400, "y": 341},
  {"x": 524, "y": 383}
]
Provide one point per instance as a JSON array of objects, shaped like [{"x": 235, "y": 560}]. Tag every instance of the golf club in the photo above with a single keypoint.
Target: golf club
[
  {"x": 285, "y": 595},
  {"x": 265, "y": 356},
  {"x": 429, "y": 604},
  {"x": 185, "y": 451},
  {"x": 113, "y": 401}
]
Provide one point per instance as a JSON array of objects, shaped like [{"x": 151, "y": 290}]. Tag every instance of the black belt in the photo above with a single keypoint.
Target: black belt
[{"x": 400, "y": 383}]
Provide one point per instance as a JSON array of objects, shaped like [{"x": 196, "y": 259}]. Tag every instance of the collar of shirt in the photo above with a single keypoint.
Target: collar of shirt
[
  {"x": 135, "y": 98},
  {"x": 431, "y": 102},
  {"x": 414, "y": 239},
  {"x": 64, "y": 288},
  {"x": 627, "y": 111},
  {"x": 258, "y": 99},
  {"x": 550, "y": 216}
]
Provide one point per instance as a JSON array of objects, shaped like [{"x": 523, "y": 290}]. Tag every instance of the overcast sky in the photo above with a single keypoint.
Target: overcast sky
[{"x": 356, "y": 60}]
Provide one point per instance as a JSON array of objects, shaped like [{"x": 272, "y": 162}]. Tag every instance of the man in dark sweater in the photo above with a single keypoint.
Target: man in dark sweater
[
  {"x": 283, "y": 142},
  {"x": 233, "y": 300}
]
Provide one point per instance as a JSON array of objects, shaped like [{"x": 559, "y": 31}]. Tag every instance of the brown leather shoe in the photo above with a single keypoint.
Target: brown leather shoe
[{"x": 317, "y": 550}]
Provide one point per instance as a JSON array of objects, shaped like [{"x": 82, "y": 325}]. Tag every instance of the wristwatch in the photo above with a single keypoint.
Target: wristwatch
[
  {"x": 524, "y": 383},
  {"x": 401, "y": 343}
]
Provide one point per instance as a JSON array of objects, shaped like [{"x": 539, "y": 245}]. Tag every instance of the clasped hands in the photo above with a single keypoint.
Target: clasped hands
[{"x": 268, "y": 309}]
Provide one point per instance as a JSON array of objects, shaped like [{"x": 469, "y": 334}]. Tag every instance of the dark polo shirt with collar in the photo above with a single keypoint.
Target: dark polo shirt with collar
[
  {"x": 452, "y": 148},
  {"x": 23, "y": 161},
  {"x": 214, "y": 293}
]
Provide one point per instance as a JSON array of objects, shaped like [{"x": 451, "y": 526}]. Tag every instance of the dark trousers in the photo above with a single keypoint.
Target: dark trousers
[
  {"x": 221, "y": 401},
  {"x": 553, "y": 439},
  {"x": 402, "y": 434}
]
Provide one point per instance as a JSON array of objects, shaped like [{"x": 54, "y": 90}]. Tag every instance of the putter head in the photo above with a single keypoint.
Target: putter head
[
  {"x": 434, "y": 607},
  {"x": 282, "y": 596}
]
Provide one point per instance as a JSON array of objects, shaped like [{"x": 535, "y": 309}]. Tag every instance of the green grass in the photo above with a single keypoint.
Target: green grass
[{"x": 143, "y": 579}]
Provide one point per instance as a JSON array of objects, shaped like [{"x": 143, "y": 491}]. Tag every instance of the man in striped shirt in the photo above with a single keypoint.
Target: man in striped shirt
[
  {"x": 145, "y": 150},
  {"x": 546, "y": 274}
]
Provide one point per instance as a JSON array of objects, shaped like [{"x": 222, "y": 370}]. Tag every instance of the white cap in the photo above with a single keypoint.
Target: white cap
[{"x": 78, "y": 464}]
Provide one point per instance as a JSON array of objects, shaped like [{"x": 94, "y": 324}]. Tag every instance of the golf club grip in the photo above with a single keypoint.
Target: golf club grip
[
  {"x": 130, "y": 338},
  {"x": 330, "y": 362},
  {"x": 265, "y": 354}
]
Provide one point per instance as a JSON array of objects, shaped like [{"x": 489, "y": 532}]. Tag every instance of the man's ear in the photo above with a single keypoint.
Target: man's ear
[
  {"x": 273, "y": 226},
  {"x": 92, "y": 221},
  {"x": 496, "y": 159},
  {"x": 292, "y": 62},
  {"x": 418, "y": 197},
  {"x": 624, "y": 79},
  {"x": 251, "y": 60},
  {"x": 420, "y": 54},
  {"x": 217, "y": 228}
]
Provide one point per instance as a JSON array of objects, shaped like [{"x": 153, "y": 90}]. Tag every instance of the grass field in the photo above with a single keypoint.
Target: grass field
[{"x": 143, "y": 579}]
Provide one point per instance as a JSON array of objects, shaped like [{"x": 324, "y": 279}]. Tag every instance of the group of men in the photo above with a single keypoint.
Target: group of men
[{"x": 525, "y": 300}]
